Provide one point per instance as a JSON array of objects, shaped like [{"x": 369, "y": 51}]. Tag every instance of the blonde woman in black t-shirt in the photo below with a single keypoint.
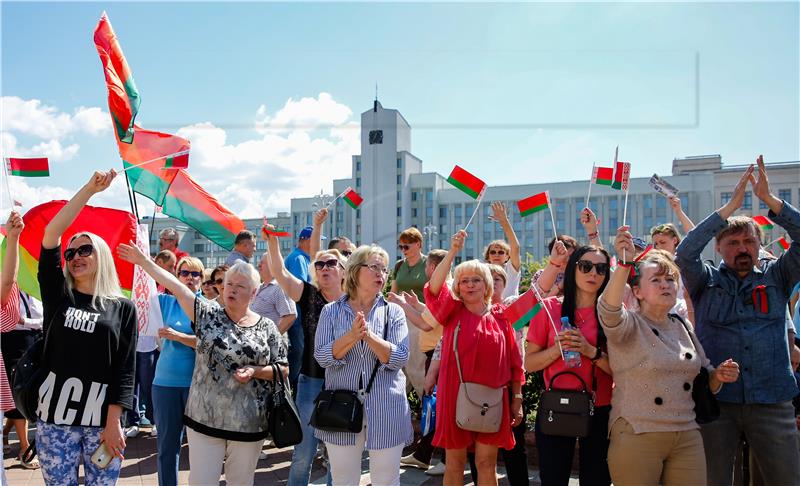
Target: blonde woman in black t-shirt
[{"x": 90, "y": 353}]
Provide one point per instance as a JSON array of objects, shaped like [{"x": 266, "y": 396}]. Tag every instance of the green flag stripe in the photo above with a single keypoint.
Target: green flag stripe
[
  {"x": 463, "y": 187},
  {"x": 535, "y": 209},
  {"x": 350, "y": 203},
  {"x": 526, "y": 318},
  {"x": 31, "y": 173},
  {"x": 199, "y": 220},
  {"x": 147, "y": 184}
]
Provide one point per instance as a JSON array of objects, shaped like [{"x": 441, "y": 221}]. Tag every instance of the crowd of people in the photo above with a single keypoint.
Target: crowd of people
[{"x": 638, "y": 328}]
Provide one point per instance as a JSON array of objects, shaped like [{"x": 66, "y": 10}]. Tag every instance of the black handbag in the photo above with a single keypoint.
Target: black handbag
[
  {"x": 343, "y": 410},
  {"x": 706, "y": 407},
  {"x": 284, "y": 420},
  {"x": 28, "y": 376},
  {"x": 566, "y": 413}
]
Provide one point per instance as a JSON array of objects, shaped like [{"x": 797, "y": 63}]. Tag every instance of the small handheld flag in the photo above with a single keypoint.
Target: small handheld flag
[
  {"x": 267, "y": 228},
  {"x": 28, "y": 167},
  {"x": 468, "y": 183},
  {"x": 783, "y": 242},
  {"x": 763, "y": 221},
  {"x": 177, "y": 161},
  {"x": 603, "y": 176},
  {"x": 533, "y": 204},
  {"x": 522, "y": 310},
  {"x": 352, "y": 198},
  {"x": 622, "y": 175}
]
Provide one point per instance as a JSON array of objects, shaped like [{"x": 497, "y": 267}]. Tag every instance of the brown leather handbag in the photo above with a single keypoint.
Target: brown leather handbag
[{"x": 479, "y": 408}]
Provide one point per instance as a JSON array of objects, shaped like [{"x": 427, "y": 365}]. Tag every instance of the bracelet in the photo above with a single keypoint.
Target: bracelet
[
  {"x": 518, "y": 395},
  {"x": 597, "y": 354},
  {"x": 625, "y": 264},
  {"x": 592, "y": 235}
]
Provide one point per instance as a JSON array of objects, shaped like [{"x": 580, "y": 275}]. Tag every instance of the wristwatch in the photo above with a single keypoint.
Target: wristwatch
[
  {"x": 518, "y": 395},
  {"x": 597, "y": 355}
]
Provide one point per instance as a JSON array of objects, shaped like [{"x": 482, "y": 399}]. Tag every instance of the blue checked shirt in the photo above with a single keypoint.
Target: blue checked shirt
[
  {"x": 386, "y": 411},
  {"x": 730, "y": 325}
]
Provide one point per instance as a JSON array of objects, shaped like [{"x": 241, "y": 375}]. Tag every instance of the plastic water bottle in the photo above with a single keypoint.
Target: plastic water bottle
[{"x": 571, "y": 358}]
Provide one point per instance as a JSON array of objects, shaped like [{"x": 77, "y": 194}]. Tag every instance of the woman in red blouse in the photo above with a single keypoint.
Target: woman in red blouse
[{"x": 488, "y": 354}]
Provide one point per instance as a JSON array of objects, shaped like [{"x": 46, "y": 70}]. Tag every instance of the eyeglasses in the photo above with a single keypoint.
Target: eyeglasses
[
  {"x": 404, "y": 247},
  {"x": 83, "y": 251},
  {"x": 219, "y": 281},
  {"x": 332, "y": 263},
  {"x": 208, "y": 282},
  {"x": 377, "y": 269},
  {"x": 346, "y": 253},
  {"x": 193, "y": 273},
  {"x": 473, "y": 281},
  {"x": 586, "y": 266},
  {"x": 497, "y": 252}
]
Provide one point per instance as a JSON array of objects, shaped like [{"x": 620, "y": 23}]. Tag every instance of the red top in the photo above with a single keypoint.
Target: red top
[
  {"x": 541, "y": 333},
  {"x": 9, "y": 316},
  {"x": 489, "y": 355},
  {"x": 178, "y": 255}
]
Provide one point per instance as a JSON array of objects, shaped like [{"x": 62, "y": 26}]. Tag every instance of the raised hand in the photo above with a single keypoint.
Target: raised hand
[
  {"x": 412, "y": 299},
  {"x": 761, "y": 189},
  {"x": 623, "y": 243},
  {"x": 394, "y": 298},
  {"x": 499, "y": 213},
  {"x": 737, "y": 198},
  {"x": 675, "y": 203},
  {"x": 131, "y": 253},
  {"x": 457, "y": 241},
  {"x": 100, "y": 181},
  {"x": 589, "y": 221},
  {"x": 14, "y": 225},
  {"x": 320, "y": 216},
  {"x": 559, "y": 255}
]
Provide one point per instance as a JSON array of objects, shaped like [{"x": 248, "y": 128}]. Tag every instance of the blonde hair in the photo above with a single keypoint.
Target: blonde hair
[
  {"x": 667, "y": 229},
  {"x": 193, "y": 264},
  {"x": 498, "y": 270},
  {"x": 502, "y": 244},
  {"x": 480, "y": 269},
  {"x": 332, "y": 252},
  {"x": 356, "y": 261},
  {"x": 106, "y": 281}
]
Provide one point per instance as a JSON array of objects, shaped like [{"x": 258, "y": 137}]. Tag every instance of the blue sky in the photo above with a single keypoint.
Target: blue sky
[{"x": 545, "y": 89}]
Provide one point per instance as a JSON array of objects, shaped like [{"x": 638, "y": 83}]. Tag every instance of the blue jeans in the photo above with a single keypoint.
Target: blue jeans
[
  {"x": 61, "y": 448},
  {"x": 168, "y": 405},
  {"x": 303, "y": 456},
  {"x": 296, "y": 345},
  {"x": 142, "y": 395},
  {"x": 770, "y": 430}
]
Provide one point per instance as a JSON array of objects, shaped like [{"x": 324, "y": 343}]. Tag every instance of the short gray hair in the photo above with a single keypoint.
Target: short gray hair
[
  {"x": 246, "y": 270},
  {"x": 169, "y": 233}
]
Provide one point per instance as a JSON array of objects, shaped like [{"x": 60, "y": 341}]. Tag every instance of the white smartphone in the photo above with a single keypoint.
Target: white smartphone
[{"x": 102, "y": 456}]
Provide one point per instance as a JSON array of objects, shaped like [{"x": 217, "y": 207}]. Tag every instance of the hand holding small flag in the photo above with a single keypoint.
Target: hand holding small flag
[
  {"x": 14, "y": 225},
  {"x": 100, "y": 181},
  {"x": 268, "y": 230}
]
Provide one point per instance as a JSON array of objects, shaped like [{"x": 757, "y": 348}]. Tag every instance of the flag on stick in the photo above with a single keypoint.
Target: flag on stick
[
  {"x": 28, "y": 167},
  {"x": 146, "y": 156},
  {"x": 468, "y": 183},
  {"x": 533, "y": 204},
  {"x": 621, "y": 176},
  {"x": 603, "y": 176},
  {"x": 763, "y": 221},
  {"x": 352, "y": 198},
  {"x": 522, "y": 310},
  {"x": 783, "y": 242},
  {"x": 123, "y": 97}
]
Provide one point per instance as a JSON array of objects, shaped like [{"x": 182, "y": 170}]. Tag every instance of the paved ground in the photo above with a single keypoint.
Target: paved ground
[{"x": 139, "y": 468}]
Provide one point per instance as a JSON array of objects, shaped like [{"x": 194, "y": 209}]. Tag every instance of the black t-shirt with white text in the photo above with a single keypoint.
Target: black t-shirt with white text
[{"x": 90, "y": 352}]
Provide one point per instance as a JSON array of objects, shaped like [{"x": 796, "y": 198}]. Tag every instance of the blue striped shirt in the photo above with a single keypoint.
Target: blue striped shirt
[{"x": 388, "y": 419}]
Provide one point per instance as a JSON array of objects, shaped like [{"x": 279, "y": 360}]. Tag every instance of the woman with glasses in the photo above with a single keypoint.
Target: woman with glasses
[
  {"x": 174, "y": 370},
  {"x": 488, "y": 354},
  {"x": 326, "y": 287},
  {"x": 218, "y": 280},
  {"x": 585, "y": 276},
  {"x": 209, "y": 292},
  {"x": 227, "y": 407},
  {"x": 361, "y": 335},
  {"x": 505, "y": 253},
  {"x": 655, "y": 358},
  {"x": 89, "y": 374},
  {"x": 665, "y": 237}
]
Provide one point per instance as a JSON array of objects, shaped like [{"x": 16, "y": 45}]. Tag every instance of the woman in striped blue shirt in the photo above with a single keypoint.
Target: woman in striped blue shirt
[{"x": 348, "y": 342}]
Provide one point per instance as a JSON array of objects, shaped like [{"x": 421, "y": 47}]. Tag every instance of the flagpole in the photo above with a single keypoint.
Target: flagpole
[
  {"x": 334, "y": 199},
  {"x": 591, "y": 181},
  {"x": 8, "y": 184},
  {"x": 549, "y": 317},
  {"x": 773, "y": 242},
  {"x": 552, "y": 217},
  {"x": 480, "y": 198},
  {"x": 174, "y": 154},
  {"x": 153, "y": 222},
  {"x": 134, "y": 209}
]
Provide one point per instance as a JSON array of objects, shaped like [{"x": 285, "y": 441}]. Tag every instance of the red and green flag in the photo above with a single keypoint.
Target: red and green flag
[
  {"x": 352, "y": 198},
  {"x": 522, "y": 310},
  {"x": 123, "y": 97},
  {"x": 28, "y": 166},
  {"x": 603, "y": 176},
  {"x": 187, "y": 201},
  {"x": 763, "y": 221},
  {"x": 468, "y": 183},
  {"x": 783, "y": 242},
  {"x": 153, "y": 154},
  {"x": 534, "y": 204},
  {"x": 622, "y": 175},
  {"x": 112, "y": 225}
]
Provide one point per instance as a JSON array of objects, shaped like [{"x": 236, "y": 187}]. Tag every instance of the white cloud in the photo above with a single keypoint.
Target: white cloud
[
  {"x": 303, "y": 114},
  {"x": 32, "y": 117}
]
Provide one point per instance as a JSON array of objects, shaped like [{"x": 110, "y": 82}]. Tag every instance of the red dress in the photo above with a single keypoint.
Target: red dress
[
  {"x": 9, "y": 316},
  {"x": 489, "y": 355}
]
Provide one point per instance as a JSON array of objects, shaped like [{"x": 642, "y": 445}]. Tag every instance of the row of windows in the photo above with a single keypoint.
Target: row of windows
[{"x": 785, "y": 194}]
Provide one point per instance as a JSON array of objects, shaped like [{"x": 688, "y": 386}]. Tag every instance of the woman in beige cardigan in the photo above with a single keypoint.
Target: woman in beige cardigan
[{"x": 654, "y": 358}]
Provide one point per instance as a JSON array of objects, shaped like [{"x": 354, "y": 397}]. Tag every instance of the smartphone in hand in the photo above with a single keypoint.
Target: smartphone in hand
[{"x": 102, "y": 456}]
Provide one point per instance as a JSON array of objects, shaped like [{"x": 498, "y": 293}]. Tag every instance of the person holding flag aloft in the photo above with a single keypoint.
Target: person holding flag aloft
[{"x": 505, "y": 253}]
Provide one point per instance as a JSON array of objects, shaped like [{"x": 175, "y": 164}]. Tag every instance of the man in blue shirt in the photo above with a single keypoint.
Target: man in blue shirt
[
  {"x": 297, "y": 263},
  {"x": 740, "y": 311}
]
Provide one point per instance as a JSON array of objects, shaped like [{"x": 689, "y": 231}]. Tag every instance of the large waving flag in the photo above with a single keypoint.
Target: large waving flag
[
  {"x": 123, "y": 97},
  {"x": 187, "y": 201},
  {"x": 112, "y": 225},
  {"x": 156, "y": 156}
]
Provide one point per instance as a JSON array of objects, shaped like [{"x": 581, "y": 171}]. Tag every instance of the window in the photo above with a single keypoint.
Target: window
[
  {"x": 613, "y": 223},
  {"x": 725, "y": 197},
  {"x": 399, "y": 179},
  {"x": 786, "y": 195},
  {"x": 459, "y": 213},
  {"x": 339, "y": 216},
  {"x": 358, "y": 182},
  {"x": 358, "y": 165},
  {"x": 429, "y": 212},
  {"x": 413, "y": 195},
  {"x": 648, "y": 202},
  {"x": 648, "y": 222},
  {"x": 661, "y": 202},
  {"x": 375, "y": 137},
  {"x": 399, "y": 212},
  {"x": 399, "y": 163},
  {"x": 685, "y": 203},
  {"x": 761, "y": 205},
  {"x": 358, "y": 213},
  {"x": 399, "y": 196},
  {"x": 613, "y": 204},
  {"x": 748, "y": 200},
  {"x": 199, "y": 248},
  {"x": 413, "y": 212},
  {"x": 442, "y": 212},
  {"x": 429, "y": 194}
]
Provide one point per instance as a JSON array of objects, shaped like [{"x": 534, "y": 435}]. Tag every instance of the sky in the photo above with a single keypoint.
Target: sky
[{"x": 270, "y": 94}]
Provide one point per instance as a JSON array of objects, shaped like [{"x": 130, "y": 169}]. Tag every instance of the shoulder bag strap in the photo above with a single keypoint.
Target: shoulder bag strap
[
  {"x": 377, "y": 361},
  {"x": 455, "y": 351}
]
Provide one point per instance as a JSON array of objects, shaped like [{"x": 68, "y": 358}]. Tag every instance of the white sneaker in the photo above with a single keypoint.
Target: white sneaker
[
  {"x": 437, "y": 470},
  {"x": 262, "y": 455},
  {"x": 412, "y": 461},
  {"x": 154, "y": 431},
  {"x": 131, "y": 431}
]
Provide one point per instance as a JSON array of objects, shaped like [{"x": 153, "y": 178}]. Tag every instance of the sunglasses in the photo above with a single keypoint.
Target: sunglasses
[
  {"x": 193, "y": 273},
  {"x": 319, "y": 265},
  {"x": 83, "y": 251},
  {"x": 208, "y": 282},
  {"x": 219, "y": 281},
  {"x": 586, "y": 266},
  {"x": 497, "y": 252},
  {"x": 346, "y": 253},
  {"x": 404, "y": 247}
]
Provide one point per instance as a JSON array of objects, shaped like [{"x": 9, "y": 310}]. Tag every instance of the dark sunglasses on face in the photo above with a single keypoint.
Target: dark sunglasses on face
[
  {"x": 319, "y": 265},
  {"x": 208, "y": 282},
  {"x": 219, "y": 281},
  {"x": 404, "y": 247},
  {"x": 193, "y": 273},
  {"x": 586, "y": 266},
  {"x": 497, "y": 252},
  {"x": 83, "y": 251},
  {"x": 346, "y": 253}
]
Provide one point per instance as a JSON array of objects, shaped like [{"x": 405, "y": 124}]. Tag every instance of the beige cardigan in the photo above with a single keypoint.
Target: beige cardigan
[{"x": 654, "y": 366}]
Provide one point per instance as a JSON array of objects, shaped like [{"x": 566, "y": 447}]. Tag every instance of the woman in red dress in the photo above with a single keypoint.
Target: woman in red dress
[{"x": 489, "y": 355}]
